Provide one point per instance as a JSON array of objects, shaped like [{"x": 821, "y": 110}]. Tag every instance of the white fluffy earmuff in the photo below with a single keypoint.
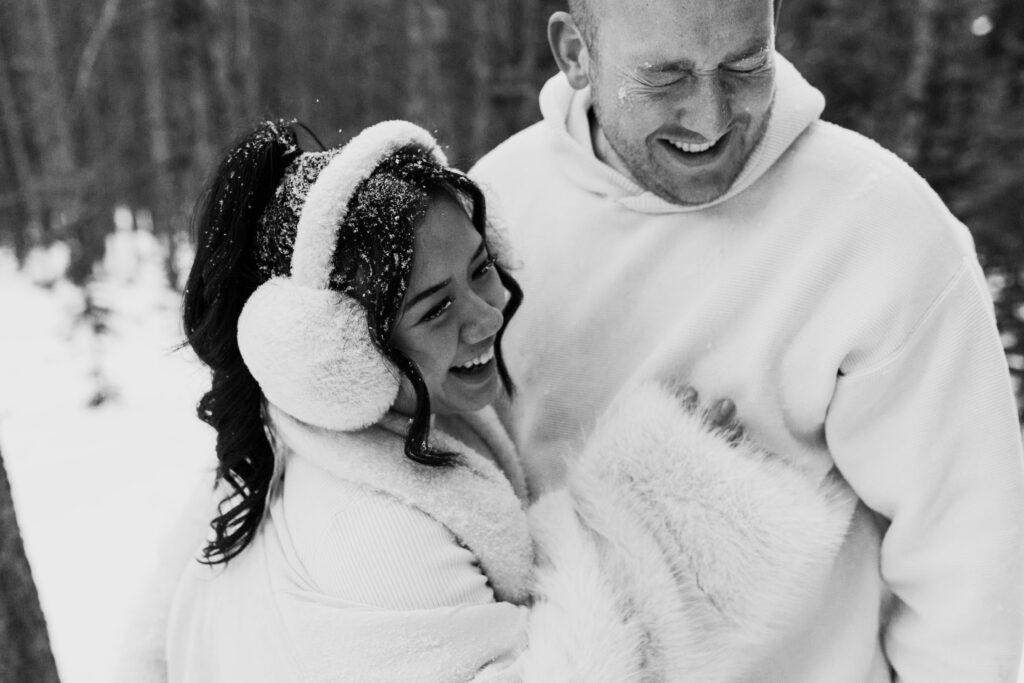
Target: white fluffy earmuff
[{"x": 308, "y": 346}]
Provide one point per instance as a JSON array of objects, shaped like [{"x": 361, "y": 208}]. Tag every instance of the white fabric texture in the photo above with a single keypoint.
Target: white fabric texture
[
  {"x": 311, "y": 353},
  {"x": 615, "y": 596},
  {"x": 473, "y": 501},
  {"x": 418, "y": 563},
  {"x": 834, "y": 298}
]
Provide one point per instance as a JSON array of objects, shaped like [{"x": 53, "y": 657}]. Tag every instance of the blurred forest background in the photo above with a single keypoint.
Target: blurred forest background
[{"x": 128, "y": 103}]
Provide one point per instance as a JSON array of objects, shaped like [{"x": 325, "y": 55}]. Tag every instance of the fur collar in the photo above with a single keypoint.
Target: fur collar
[{"x": 473, "y": 499}]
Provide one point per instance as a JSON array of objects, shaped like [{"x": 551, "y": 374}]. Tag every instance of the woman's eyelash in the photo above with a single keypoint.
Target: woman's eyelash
[
  {"x": 437, "y": 310},
  {"x": 485, "y": 266},
  {"x": 445, "y": 304}
]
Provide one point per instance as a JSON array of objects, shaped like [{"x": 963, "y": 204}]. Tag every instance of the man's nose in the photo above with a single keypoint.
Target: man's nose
[
  {"x": 483, "y": 320},
  {"x": 707, "y": 110}
]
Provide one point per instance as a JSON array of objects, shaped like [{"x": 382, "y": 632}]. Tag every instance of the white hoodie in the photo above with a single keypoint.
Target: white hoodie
[{"x": 834, "y": 298}]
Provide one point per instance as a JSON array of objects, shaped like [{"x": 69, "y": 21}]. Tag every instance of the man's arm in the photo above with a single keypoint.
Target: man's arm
[{"x": 928, "y": 437}]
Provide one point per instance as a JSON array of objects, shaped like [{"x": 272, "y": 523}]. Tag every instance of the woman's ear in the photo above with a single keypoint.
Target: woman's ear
[{"x": 569, "y": 49}]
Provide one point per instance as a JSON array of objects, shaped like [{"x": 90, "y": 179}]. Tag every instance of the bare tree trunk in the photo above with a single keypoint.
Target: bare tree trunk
[
  {"x": 53, "y": 106},
  {"x": 418, "y": 69},
  {"x": 25, "y": 653},
  {"x": 27, "y": 185},
  {"x": 426, "y": 27},
  {"x": 202, "y": 116},
  {"x": 370, "y": 77},
  {"x": 483, "y": 73},
  {"x": 219, "y": 45},
  {"x": 50, "y": 119},
  {"x": 91, "y": 52},
  {"x": 246, "y": 60},
  {"x": 533, "y": 41},
  {"x": 922, "y": 66},
  {"x": 162, "y": 187}
]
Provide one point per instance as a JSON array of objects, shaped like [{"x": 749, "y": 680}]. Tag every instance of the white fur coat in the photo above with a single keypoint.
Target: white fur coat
[
  {"x": 671, "y": 556},
  {"x": 673, "y": 553}
]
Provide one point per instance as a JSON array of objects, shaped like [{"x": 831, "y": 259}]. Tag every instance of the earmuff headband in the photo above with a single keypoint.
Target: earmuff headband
[
  {"x": 308, "y": 346},
  {"x": 327, "y": 202}
]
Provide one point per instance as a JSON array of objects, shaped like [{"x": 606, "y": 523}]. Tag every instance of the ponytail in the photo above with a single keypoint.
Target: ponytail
[{"x": 223, "y": 276}]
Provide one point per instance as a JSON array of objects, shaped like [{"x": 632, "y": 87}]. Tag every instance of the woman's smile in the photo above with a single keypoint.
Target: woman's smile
[{"x": 452, "y": 313}]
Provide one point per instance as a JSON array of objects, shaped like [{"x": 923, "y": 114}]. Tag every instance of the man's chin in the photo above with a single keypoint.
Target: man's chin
[
  {"x": 682, "y": 181},
  {"x": 692, "y": 193}
]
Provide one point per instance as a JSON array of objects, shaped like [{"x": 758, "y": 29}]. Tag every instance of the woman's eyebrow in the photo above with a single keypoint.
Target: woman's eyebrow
[
  {"x": 441, "y": 285},
  {"x": 479, "y": 250},
  {"x": 426, "y": 293}
]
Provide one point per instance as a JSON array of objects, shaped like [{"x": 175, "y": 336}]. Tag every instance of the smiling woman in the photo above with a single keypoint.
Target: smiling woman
[
  {"x": 373, "y": 521},
  {"x": 452, "y": 314}
]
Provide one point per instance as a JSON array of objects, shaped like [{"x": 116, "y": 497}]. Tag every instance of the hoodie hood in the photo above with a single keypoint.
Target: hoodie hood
[{"x": 796, "y": 105}]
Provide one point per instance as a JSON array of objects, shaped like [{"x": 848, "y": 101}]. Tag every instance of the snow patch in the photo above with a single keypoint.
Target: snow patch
[{"x": 96, "y": 487}]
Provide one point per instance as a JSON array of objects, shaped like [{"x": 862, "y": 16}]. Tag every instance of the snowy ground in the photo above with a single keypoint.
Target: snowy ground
[{"x": 94, "y": 487}]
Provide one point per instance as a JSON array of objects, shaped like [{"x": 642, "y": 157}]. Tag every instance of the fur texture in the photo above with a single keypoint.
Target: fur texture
[
  {"x": 672, "y": 555},
  {"x": 473, "y": 500},
  {"x": 311, "y": 353},
  {"x": 307, "y": 346},
  {"x": 683, "y": 550}
]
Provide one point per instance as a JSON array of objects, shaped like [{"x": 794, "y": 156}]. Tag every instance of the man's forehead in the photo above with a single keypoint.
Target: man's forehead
[
  {"x": 598, "y": 11},
  {"x": 671, "y": 30}
]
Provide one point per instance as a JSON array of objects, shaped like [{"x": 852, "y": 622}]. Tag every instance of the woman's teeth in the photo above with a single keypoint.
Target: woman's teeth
[
  {"x": 479, "y": 360},
  {"x": 691, "y": 148}
]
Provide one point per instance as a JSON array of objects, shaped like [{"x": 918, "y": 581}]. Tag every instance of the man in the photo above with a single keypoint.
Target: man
[{"x": 681, "y": 212}]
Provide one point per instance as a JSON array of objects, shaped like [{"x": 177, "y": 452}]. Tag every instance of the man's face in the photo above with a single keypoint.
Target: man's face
[{"x": 682, "y": 89}]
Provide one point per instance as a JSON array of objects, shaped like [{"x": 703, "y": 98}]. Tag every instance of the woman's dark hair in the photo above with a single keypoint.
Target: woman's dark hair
[
  {"x": 393, "y": 200},
  {"x": 245, "y": 229}
]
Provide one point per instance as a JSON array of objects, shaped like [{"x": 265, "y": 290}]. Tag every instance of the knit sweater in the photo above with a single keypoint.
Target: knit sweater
[{"x": 834, "y": 298}]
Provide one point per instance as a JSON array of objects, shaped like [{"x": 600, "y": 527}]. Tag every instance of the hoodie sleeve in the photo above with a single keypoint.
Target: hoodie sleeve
[{"x": 928, "y": 438}]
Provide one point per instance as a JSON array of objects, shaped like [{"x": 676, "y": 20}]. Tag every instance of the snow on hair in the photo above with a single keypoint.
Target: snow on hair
[{"x": 327, "y": 202}]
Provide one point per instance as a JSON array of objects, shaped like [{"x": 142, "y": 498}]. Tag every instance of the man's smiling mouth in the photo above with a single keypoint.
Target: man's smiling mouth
[{"x": 697, "y": 152}]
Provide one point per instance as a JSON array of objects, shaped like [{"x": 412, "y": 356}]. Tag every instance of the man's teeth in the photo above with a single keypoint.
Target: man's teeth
[
  {"x": 691, "y": 148},
  {"x": 479, "y": 360}
]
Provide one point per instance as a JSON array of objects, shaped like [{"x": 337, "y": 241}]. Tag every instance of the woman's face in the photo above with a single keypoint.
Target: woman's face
[{"x": 451, "y": 313}]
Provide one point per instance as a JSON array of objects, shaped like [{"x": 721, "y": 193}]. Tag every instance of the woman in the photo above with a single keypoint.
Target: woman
[{"x": 350, "y": 304}]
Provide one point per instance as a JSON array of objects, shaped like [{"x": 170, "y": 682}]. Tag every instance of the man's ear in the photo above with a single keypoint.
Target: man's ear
[{"x": 569, "y": 49}]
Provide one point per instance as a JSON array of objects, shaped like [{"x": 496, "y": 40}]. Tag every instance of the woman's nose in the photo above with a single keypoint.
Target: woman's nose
[{"x": 483, "y": 320}]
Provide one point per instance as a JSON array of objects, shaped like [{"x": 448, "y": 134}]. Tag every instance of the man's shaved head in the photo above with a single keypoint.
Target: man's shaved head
[{"x": 583, "y": 13}]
